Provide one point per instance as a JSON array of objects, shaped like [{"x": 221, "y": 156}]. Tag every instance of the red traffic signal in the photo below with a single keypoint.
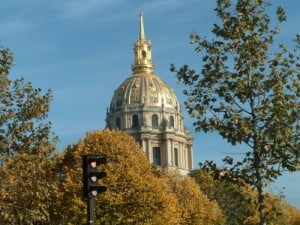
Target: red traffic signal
[
  {"x": 95, "y": 160},
  {"x": 91, "y": 175}
]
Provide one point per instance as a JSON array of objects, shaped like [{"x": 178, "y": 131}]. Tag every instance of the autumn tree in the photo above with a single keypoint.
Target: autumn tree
[
  {"x": 134, "y": 195},
  {"x": 23, "y": 110},
  {"x": 237, "y": 201},
  {"x": 248, "y": 91},
  {"x": 292, "y": 214},
  {"x": 28, "y": 184},
  {"x": 27, "y": 178},
  {"x": 196, "y": 207}
]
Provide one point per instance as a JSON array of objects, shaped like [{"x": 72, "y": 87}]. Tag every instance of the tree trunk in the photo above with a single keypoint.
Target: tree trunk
[
  {"x": 261, "y": 205},
  {"x": 258, "y": 164},
  {"x": 259, "y": 186}
]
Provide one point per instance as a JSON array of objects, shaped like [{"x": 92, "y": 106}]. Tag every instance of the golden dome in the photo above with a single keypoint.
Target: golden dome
[{"x": 144, "y": 89}]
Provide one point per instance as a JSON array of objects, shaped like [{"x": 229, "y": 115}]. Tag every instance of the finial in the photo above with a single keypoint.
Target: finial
[
  {"x": 142, "y": 31},
  {"x": 142, "y": 53}
]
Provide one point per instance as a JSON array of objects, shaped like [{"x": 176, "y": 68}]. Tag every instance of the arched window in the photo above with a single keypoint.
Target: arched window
[
  {"x": 176, "y": 156},
  {"x": 156, "y": 156},
  {"x": 171, "y": 122},
  {"x": 118, "y": 122},
  {"x": 144, "y": 54},
  {"x": 135, "y": 121},
  {"x": 154, "y": 120}
]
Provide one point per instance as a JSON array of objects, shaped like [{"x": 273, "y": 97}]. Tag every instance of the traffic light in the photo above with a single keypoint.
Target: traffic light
[{"x": 91, "y": 175}]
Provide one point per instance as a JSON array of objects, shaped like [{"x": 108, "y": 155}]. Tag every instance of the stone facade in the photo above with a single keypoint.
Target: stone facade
[{"x": 145, "y": 107}]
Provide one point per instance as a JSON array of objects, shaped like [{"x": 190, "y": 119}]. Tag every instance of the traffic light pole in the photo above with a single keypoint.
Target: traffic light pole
[
  {"x": 91, "y": 187},
  {"x": 90, "y": 211}
]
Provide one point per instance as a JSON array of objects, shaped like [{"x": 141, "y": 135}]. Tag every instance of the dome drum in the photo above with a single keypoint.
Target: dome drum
[
  {"x": 146, "y": 108},
  {"x": 153, "y": 118}
]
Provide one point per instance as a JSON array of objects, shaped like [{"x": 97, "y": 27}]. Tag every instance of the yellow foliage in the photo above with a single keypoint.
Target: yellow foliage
[
  {"x": 238, "y": 202},
  {"x": 27, "y": 186},
  {"x": 196, "y": 208},
  {"x": 279, "y": 212},
  {"x": 134, "y": 196},
  {"x": 291, "y": 214}
]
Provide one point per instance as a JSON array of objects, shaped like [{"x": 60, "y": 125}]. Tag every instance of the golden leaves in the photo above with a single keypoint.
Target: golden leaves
[
  {"x": 196, "y": 208},
  {"x": 134, "y": 196},
  {"x": 27, "y": 186}
]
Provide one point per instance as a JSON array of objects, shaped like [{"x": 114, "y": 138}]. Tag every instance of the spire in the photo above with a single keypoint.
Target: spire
[
  {"x": 142, "y": 31},
  {"x": 142, "y": 52}
]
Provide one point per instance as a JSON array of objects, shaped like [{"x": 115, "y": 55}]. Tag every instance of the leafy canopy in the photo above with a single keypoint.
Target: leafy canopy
[
  {"x": 196, "y": 207},
  {"x": 238, "y": 202},
  {"x": 134, "y": 195},
  {"x": 26, "y": 150},
  {"x": 248, "y": 91},
  {"x": 23, "y": 110}
]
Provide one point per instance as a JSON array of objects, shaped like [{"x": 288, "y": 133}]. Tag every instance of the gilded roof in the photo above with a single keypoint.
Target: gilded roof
[{"x": 146, "y": 90}]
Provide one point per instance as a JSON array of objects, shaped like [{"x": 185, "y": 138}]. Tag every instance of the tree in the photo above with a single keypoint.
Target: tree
[
  {"x": 196, "y": 207},
  {"x": 134, "y": 195},
  {"x": 248, "y": 92},
  {"x": 292, "y": 214},
  {"x": 238, "y": 201},
  {"x": 28, "y": 184},
  {"x": 26, "y": 150},
  {"x": 23, "y": 110}
]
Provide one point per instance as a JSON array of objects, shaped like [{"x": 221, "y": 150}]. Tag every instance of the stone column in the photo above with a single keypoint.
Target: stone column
[
  {"x": 149, "y": 151},
  {"x": 191, "y": 160},
  {"x": 184, "y": 157},
  {"x": 172, "y": 152},
  {"x": 144, "y": 145},
  {"x": 169, "y": 152},
  {"x": 179, "y": 155},
  {"x": 163, "y": 153}
]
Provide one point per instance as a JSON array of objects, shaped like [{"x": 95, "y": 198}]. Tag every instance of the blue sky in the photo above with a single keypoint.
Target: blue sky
[{"x": 83, "y": 50}]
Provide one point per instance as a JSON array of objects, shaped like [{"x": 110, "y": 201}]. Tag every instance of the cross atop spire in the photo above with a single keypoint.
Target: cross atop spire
[{"x": 142, "y": 31}]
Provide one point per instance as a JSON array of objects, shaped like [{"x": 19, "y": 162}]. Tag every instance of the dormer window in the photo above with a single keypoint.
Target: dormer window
[
  {"x": 171, "y": 122},
  {"x": 154, "y": 121},
  {"x": 135, "y": 121}
]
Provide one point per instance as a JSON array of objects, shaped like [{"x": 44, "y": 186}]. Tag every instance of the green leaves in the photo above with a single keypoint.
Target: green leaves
[
  {"x": 27, "y": 165},
  {"x": 281, "y": 14},
  {"x": 246, "y": 93},
  {"x": 238, "y": 200},
  {"x": 23, "y": 109},
  {"x": 6, "y": 59},
  {"x": 248, "y": 98}
]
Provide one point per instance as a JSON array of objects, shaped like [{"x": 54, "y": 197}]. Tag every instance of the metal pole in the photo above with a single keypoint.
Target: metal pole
[{"x": 90, "y": 211}]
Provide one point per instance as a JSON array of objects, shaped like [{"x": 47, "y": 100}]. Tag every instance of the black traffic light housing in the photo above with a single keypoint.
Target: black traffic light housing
[{"x": 91, "y": 175}]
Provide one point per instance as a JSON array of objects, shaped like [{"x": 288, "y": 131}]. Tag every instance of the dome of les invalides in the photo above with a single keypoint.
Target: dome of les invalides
[{"x": 145, "y": 107}]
